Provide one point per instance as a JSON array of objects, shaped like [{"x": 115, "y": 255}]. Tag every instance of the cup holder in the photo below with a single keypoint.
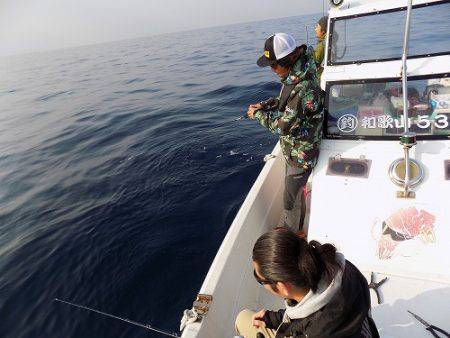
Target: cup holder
[
  {"x": 349, "y": 167},
  {"x": 397, "y": 172}
]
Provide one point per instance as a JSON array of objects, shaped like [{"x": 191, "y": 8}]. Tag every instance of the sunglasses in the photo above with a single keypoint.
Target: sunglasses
[{"x": 262, "y": 281}]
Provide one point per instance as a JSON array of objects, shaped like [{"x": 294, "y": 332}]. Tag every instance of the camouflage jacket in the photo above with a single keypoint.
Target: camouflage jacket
[{"x": 299, "y": 121}]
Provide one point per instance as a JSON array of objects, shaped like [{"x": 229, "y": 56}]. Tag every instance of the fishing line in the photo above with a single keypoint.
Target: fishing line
[
  {"x": 239, "y": 118},
  {"x": 145, "y": 326}
]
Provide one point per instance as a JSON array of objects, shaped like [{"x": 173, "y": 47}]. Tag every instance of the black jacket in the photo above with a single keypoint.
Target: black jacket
[{"x": 346, "y": 315}]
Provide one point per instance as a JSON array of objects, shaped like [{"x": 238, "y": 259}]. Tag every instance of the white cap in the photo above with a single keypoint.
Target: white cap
[
  {"x": 283, "y": 44},
  {"x": 276, "y": 47}
]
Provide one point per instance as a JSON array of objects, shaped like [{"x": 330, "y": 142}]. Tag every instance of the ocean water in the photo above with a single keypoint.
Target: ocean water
[{"x": 121, "y": 169}]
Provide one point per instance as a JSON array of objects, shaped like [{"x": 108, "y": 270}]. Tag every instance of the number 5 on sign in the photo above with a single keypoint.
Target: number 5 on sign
[{"x": 423, "y": 122}]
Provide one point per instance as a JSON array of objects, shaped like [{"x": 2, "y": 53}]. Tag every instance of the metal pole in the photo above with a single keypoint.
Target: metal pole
[
  {"x": 407, "y": 173},
  {"x": 404, "y": 66},
  {"x": 405, "y": 94}
]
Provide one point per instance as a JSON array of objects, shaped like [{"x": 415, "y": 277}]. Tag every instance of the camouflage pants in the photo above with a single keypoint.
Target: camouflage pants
[{"x": 294, "y": 183}]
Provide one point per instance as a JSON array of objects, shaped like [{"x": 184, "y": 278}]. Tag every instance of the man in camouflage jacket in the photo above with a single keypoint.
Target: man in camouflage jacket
[{"x": 296, "y": 115}]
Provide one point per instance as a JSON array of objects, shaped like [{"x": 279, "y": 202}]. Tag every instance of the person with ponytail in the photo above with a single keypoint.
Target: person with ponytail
[{"x": 325, "y": 295}]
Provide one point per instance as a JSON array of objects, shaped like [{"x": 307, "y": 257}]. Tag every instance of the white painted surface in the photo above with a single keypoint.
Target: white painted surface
[
  {"x": 354, "y": 7},
  {"x": 418, "y": 272},
  {"x": 388, "y": 69},
  {"x": 230, "y": 279},
  {"x": 358, "y": 205},
  {"x": 392, "y": 318}
]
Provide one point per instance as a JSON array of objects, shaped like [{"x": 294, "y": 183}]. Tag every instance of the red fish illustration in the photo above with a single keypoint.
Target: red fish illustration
[{"x": 405, "y": 224}]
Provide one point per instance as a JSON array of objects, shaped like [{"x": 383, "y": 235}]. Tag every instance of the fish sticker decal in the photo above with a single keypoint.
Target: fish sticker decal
[{"x": 405, "y": 225}]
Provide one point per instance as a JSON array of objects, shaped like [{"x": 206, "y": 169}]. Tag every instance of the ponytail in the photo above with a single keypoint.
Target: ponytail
[
  {"x": 326, "y": 254},
  {"x": 284, "y": 256}
]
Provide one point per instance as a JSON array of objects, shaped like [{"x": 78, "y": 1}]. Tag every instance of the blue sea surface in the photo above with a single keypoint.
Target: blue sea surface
[{"x": 121, "y": 169}]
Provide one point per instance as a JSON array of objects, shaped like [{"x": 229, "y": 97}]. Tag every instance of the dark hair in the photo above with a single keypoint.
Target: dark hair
[
  {"x": 284, "y": 256},
  {"x": 323, "y": 23},
  {"x": 290, "y": 59}
]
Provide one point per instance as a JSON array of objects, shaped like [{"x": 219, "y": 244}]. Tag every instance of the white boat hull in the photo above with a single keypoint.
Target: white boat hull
[{"x": 230, "y": 279}]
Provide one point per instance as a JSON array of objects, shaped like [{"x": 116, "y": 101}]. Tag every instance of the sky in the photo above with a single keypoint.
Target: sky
[{"x": 38, "y": 25}]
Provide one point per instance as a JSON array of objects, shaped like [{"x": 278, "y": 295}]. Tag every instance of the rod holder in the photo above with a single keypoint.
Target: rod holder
[{"x": 407, "y": 140}]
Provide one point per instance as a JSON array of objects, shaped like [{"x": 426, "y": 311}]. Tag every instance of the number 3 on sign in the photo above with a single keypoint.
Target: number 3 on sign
[{"x": 441, "y": 121}]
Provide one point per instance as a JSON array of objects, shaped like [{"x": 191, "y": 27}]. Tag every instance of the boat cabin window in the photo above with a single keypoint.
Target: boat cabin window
[
  {"x": 353, "y": 38},
  {"x": 374, "y": 108}
]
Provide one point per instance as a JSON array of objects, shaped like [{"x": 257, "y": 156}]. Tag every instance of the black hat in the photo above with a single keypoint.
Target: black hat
[{"x": 277, "y": 46}]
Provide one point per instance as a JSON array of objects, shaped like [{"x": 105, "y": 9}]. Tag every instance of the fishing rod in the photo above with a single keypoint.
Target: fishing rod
[{"x": 145, "y": 326}]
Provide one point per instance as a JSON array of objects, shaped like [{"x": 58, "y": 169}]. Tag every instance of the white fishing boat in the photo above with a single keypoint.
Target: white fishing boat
[{"x": 383, "y": 202}]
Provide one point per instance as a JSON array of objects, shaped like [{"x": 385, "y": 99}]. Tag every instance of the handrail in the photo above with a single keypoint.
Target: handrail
[
  {"x": 408, "y": 139},
  {"x": 404, "y": 65}
]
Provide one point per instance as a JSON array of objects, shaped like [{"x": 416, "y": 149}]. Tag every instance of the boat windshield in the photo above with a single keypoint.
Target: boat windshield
[
  {"x": 374, "y": 108},
  {"x": 353, "y": 38}
]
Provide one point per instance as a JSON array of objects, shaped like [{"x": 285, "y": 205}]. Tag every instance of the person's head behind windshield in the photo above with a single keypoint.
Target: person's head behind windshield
[{"x": 321, "y": 27}]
